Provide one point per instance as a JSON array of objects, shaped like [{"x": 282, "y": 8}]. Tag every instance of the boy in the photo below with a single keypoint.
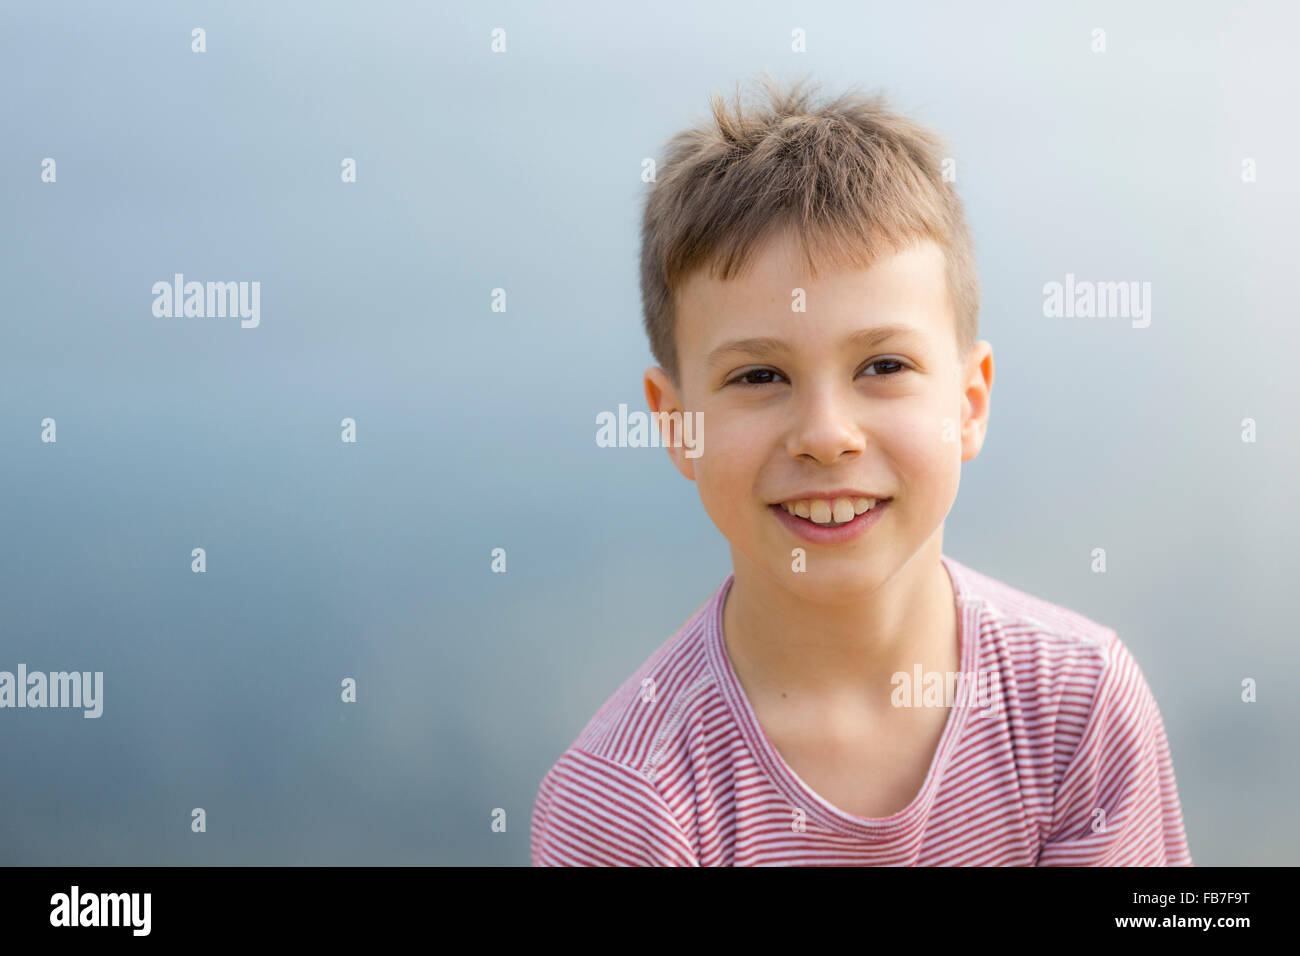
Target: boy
[{"x": 849, "y": 694}]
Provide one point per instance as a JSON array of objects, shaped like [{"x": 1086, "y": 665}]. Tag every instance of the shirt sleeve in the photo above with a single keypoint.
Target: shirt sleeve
[
  {"x": 1122, "y": 768},
  {"x": 591, "y": 811}
]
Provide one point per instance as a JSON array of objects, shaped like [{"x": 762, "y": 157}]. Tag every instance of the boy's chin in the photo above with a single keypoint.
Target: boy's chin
[{"x": 834, "y": 580}]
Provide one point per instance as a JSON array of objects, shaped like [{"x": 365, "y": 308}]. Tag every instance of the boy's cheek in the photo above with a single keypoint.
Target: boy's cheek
[
  {"x": 725, "y": 491},
  {"x": 923, "y": 444},
  {"x": 724, "y": 456}
]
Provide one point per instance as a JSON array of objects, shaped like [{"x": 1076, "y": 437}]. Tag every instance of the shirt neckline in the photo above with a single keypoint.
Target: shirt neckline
[{"x": 800, "y": 794}]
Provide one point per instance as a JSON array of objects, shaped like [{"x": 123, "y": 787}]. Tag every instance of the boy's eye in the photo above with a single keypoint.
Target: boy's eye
[
  {"x": 891, "y": 362},
  {"x": 766, "y": 376},
  {"x": 756, "y": 376}
]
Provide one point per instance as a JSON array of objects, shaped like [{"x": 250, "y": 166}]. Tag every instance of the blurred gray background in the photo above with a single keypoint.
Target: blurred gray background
[{"x": 476, "y": 428}]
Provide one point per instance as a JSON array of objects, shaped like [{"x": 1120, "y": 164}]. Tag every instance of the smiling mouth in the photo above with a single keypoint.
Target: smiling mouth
[{"x": 832, "y": 512}]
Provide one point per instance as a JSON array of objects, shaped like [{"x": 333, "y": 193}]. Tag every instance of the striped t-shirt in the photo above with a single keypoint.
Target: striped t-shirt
[{"x": 1069, "y": 764}]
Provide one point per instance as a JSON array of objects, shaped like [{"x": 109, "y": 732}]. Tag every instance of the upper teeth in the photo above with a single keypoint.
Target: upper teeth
[{"x": 828, "y": 511}]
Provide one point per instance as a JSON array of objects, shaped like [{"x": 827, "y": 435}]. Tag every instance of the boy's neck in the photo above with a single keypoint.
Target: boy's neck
[{"x": 780, "y": 643}]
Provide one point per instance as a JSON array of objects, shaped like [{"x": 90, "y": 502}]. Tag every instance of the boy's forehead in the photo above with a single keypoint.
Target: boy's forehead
[{"x": 907, "y": 288}]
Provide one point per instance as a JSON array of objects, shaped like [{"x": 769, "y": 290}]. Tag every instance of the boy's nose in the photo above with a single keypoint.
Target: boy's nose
[{"x": 825, "y": 428}]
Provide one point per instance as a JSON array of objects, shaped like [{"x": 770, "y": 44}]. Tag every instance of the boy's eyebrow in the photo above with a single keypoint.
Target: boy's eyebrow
[{"x": 863, "y": 338}]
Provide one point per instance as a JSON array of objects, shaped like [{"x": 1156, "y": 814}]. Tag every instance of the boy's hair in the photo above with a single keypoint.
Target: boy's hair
[{"x": 854, "y": 180}]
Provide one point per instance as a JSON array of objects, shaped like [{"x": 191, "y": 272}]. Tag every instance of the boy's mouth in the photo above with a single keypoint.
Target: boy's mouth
[
  {"x": 830, "y": 512},
  {"x": 830, "y": 520}
]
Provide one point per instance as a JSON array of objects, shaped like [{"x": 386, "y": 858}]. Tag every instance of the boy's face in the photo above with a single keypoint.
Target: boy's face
[{"x": 814, "y": 411}]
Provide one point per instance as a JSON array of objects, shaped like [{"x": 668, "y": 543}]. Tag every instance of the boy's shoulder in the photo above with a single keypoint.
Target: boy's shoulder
[
  {"x": 1060, "y": 659},
  {"x": 601, "y": 802},
  {"x": 652, "y": 702},
  {"x": 1024, "y": 615}
]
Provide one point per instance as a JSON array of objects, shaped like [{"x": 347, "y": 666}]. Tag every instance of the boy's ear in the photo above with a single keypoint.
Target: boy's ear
[
  {"x": 662, "y": 396},
  {"x": 978, "y": 384}
]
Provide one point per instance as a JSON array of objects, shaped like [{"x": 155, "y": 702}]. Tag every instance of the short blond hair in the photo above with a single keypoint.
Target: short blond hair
[{"x": 851, "y": 177}]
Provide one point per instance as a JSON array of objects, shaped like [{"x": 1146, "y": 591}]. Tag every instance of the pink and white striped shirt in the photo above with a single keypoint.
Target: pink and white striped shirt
[{"x": 686, "y": 777}]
